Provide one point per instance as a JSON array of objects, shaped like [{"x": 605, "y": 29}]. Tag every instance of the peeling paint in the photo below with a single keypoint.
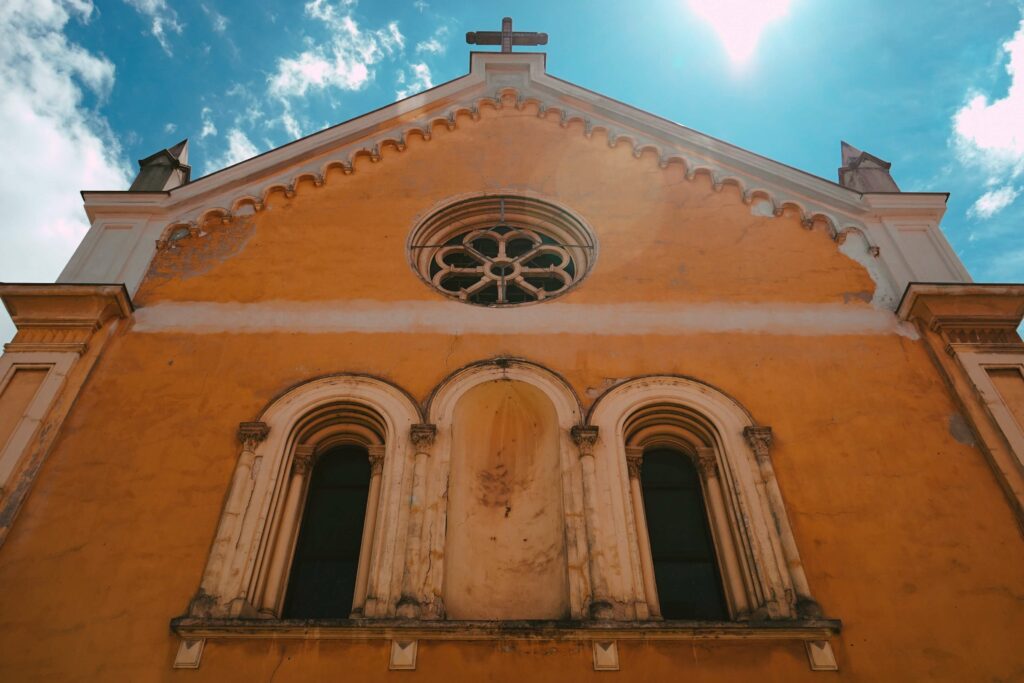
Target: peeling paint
[{"x": 960, "y": 430}]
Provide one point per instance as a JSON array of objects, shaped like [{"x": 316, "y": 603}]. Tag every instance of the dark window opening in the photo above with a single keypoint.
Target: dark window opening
[
  {"x": 689, "y": 583},
  {"x": 323, "y": 576}
]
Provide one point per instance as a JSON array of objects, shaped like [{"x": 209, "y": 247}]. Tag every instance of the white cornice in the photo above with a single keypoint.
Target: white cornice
[{"x": 930, "y": 204}]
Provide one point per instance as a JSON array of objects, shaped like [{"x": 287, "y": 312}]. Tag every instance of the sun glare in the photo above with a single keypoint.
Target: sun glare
[{"x": 739, "y": 23}]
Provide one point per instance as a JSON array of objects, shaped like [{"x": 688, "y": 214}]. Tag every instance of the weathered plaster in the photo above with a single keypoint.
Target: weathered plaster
[
  {"x": 417, "y": 317},
  {"x": 505, "y": 555}
]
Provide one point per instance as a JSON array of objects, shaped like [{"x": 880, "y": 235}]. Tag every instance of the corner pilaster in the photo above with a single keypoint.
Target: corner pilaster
[
  {"x": 970, "y": 332},
  {"x": 61, "y": 332}
]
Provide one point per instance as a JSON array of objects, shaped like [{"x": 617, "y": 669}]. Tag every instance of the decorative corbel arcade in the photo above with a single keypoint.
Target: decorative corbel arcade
[
  {"x": 971, "y": 334},
  {"x": 61, "y": 330}
]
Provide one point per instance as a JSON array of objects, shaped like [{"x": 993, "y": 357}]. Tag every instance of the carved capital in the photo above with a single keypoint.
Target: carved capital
[
  {"x": 760, "y": 440},
  {"x": 252, "y": 434},
  {"x": 376, "y": 453},
  {"x": 707, "y": 463},
  {"x": 634, "y": 461},
  {"x": 585, "y": 438},
  {"x": 423, "y": 436},
  {"x": 302, "y": 462}
]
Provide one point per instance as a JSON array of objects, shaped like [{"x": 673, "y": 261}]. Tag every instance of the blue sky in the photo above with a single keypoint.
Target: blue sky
[{"x": 90, "y": 86}]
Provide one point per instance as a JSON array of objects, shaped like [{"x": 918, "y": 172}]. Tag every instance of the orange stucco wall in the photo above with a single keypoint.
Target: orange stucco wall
[{"x": 903, "y": 530}]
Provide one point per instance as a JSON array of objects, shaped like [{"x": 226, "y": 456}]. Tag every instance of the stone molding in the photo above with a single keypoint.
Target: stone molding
[
  {"x": 359, "y": 629},
  {"x": 760, "y": 440},
  {"x": 968, "y": 317},
  {"x": 707, "y": 463},
  {"x": 423, "y": 436},
  {"x": 252, "y": 434},
  {"x": 376, "y": 455},
  {"x": 634, "y": 461},
  {"x": 61, "y": 317},
  {"x": 584, "y": 438}
]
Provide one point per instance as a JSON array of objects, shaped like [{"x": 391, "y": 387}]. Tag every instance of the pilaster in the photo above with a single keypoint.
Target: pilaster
[
  {"x": 970, "y": 332},
  {"x": 61, "y": 331}
]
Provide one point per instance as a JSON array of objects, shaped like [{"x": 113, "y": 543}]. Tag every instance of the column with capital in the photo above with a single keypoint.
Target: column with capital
[
  {"x": 376, "y": 454},
  {"x": 286, "y": 532},
  {"x": 600, "y": 605},
  {"x": 634, "y": 464},
  {"x": 411, "y": 603},
  {"x": 250, "y": 435},
  {"x": 760, "y": 441},
  {"x": 707, "y": 464}
]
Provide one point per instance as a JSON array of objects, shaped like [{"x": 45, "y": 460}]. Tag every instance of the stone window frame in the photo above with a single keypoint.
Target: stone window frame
[
  {"x": 401, "y": 565},
  {"x": 761, "y": 570},
  {"x": 464, "y": 214},
  {"x": 247, "y": 569}
]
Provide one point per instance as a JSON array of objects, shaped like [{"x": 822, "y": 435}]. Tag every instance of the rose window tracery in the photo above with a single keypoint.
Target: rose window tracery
[{"x": 502, "y": 250}]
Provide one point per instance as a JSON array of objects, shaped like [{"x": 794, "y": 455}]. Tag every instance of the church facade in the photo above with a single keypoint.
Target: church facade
[{"x": 512, "y": 381}]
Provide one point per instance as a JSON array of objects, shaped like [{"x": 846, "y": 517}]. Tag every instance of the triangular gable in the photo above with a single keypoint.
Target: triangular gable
[
  {"x": 519, "y": 79},
  {"x": 522, "y": 77}
]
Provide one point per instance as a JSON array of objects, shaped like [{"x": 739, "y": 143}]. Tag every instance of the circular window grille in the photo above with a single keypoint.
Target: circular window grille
[{"x": 502, "y": 250}]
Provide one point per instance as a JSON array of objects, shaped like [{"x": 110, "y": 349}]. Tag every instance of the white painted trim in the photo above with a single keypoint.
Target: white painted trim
[
  {"x": 556, "y": 317},
  {"x": 58, "y": 365}
]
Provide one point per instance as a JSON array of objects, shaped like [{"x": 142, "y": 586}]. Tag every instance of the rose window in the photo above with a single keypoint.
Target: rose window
[{"x": 502, "y": 250}]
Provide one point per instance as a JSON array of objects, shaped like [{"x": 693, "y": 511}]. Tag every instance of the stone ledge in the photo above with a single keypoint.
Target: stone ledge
[{"x": 384, "y": 629}]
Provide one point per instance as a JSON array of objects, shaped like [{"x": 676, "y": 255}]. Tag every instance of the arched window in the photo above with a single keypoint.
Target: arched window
[
  {"x": 300, "y": 541},
  {"x": 705, "y": 531},
  {"x": 322, "y": 581},
  {"x": 688, "y": 579}
]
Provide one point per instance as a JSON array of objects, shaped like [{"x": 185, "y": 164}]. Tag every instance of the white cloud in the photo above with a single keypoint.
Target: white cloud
[
  {"x": 162, "y": 18},
  {"x": 170, "y": 128},
  {"x": 990, "y": 134},
  {"x": 418, "y": 80},
  {"x": 421, "y": 5},
  {"x": 290, "y": 124},
  {"x": 993, "y": 201},
  {"x": 435, "y": 44},
  {"x": 432, "y": 46},
  {"x": 344, "y": 63},
  {"x": 240, "y": 148},
  {"x": 208, "y": 129},
  {"x": 53, "y": 146},
  {"x": 218, "y": 22}
]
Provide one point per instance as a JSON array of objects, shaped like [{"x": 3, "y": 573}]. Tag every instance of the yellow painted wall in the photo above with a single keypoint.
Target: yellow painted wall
[{"x": 903, "y": 530}]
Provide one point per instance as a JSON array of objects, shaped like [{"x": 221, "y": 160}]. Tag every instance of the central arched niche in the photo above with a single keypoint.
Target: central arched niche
[{"x": 505, "y": 547}]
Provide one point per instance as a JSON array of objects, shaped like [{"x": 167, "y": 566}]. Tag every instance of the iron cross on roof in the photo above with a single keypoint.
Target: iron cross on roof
[{"x": 506, "y": 37}]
